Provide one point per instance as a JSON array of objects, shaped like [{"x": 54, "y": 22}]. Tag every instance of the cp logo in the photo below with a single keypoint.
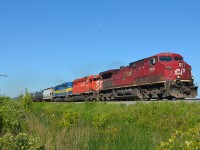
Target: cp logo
[{"x": 179, "y": 71}]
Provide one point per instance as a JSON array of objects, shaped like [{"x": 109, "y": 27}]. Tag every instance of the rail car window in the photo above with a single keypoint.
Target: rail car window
[
  {"x": 152, "y": 61},
  {"x": 178, "y": 58},
  {"x": 165, "y": 58}
]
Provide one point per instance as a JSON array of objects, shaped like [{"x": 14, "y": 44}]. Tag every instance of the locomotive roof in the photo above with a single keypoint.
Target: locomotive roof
[
  {"x": 159, "y": 54},
  {"x": 64, "y": 83},
  {"x": 82, "y": 79},
  {"x": 168, "y": 53}
]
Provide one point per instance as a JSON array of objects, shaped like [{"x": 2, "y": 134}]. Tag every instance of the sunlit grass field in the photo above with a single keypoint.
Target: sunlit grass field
[{"x": 101, "y": 125}]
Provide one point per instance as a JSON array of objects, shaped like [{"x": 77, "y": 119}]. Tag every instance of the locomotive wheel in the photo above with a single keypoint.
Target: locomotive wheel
[
  {"x": 160, "y": 97},
  {"x": 150, "y": 97}
]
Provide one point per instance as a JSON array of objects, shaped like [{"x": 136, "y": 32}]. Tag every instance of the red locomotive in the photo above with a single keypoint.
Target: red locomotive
[
  {"x": 86, "y": 88},
  {"x": 165, "y": 75}
]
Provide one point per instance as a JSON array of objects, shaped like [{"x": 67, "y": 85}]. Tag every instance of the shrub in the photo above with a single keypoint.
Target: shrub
[
  {"x": 69, "y": 118},
  {"x": 99, "y": 121},
  {"x": 21, "y": 141},
  {"x": 26, "y": 101},
  {"x": 189, "y": 139},
  {"x": 13, "y": 121},
  {"x": 12, "y": 118},
  {"x": 3, "y": 100}
]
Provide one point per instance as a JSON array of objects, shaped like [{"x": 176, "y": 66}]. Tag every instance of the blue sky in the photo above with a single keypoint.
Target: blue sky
[{"x": 46, "y": 42}]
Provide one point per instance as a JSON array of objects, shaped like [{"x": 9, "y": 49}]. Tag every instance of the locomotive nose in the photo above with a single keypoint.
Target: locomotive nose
[{"x": 182, "y": 71}]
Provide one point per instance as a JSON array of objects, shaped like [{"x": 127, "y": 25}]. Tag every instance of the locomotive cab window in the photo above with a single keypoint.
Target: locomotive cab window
[
  {"x": 165, "y": 58},
  {"x": 152, "y": 61},
  {"x": 178, "y": 58},
  {"x": 64, "y": 86}
]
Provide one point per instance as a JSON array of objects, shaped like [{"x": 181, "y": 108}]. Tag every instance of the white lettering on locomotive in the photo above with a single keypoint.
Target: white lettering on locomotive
[
  {"x": 179, "y": 71},
  {"x": 152, "y": 69}
]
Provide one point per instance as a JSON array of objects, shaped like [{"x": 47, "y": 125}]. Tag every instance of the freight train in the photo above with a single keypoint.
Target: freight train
[{"x": 162, "y": 76}]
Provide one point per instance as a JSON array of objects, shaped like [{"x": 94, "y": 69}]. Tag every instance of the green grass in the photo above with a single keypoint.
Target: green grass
[{"x": 95, "y": 125}]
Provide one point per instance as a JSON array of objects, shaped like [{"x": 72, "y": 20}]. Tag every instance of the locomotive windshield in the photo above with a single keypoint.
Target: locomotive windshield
[
  {"x": 178, "y": 58},
  {"x": 165, "y": 58}
]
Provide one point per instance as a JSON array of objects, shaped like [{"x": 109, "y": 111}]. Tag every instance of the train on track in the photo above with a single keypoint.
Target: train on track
[{"x": 162, "y": 76}]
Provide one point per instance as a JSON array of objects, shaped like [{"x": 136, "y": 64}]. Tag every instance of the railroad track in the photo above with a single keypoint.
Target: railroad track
[
  {"x": 145, "y": 100},
  {"x": 128, "y": 102},
  {"x": 196, "y": 100}
]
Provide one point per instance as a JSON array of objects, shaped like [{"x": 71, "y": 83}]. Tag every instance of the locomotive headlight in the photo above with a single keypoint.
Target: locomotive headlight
[
  {"x": 192, "y": 79},
  {"x": 178, "y": 79}
]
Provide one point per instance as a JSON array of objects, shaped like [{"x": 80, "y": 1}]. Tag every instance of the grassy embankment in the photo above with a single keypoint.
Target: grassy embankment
[{"x": 110, "y": 126}]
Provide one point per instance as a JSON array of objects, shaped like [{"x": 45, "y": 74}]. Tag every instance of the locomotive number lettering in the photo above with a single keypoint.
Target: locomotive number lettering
[
  {"x": 152, "y": 69},
  {"x": 127, "y": 74}
]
